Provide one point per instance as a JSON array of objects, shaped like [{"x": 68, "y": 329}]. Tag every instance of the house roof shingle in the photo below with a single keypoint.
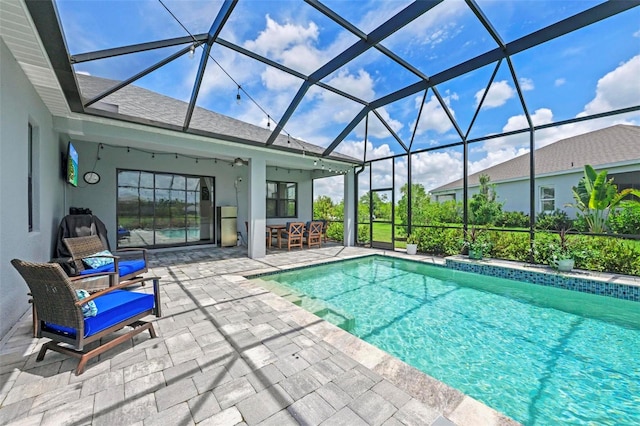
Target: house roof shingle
[
  {"x": 615, "y": 144},
  {"x": 137, "y": 102}
]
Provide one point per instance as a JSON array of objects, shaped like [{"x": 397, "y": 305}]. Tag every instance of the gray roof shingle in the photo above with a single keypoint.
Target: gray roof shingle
[
  {"x": 615, "y": 144},
  {"x": 134, "y": 101}
]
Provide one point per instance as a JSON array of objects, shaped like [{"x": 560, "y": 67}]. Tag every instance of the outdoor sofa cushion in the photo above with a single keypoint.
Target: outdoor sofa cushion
[{"x": 113, "y": 308}]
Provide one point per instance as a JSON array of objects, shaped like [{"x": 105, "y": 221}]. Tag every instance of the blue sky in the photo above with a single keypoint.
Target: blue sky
[{"x": 592, "y": 70}]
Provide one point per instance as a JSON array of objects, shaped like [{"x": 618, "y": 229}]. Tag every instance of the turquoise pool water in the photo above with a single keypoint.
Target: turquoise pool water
[{"x": 541, "y": 355}]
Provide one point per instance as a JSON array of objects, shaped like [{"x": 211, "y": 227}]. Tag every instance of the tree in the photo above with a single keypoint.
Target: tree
[
  {"x": 484, "y": 207},
  {"x": 323, "y": 207},
  {"x": 595, "y": 196},
  {"x": 419, "y": 199}
]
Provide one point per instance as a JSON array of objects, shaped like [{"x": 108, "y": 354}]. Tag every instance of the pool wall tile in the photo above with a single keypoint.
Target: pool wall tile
[{"x": 548, "y": 278}]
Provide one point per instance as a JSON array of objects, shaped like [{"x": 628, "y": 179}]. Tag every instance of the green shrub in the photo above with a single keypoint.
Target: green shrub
[
  {"x": 439, "y": 241},
  {"x": 363, "y": 234},
  {"x": 609, "y": 255},
  {"x": 556, "y": 220},
  {"x": 509, "y": 245},
  {"x": 513, "y": 220},
  {"x": 335, "y": 231},
  {"x": 625, "y": 220}
]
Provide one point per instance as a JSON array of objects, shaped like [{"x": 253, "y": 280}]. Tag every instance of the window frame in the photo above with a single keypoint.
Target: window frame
[
  {"x": 543, "y": 199},
  {"x": 189, "y": 194},
  {"x": 281, "y": 200}
]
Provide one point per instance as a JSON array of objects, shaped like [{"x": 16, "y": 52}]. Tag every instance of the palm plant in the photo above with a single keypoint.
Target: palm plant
[{"x": 596, "y": 196}]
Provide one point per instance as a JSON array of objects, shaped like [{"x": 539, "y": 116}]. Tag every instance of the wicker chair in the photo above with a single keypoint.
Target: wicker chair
[
  {"x": 60, "y": 316},
  {"x": 293, "y": 233},
  {"x": 87, "y": 247},
  {"x": 313, "y": 233}
]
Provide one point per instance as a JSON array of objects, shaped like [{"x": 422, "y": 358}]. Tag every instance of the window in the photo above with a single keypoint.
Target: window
[
  {"x": 30, "y": 176},
  {"x": 164, "y": 209},
  {"x": 547, "y": 199},
  {"x": 282, "y": 199}
]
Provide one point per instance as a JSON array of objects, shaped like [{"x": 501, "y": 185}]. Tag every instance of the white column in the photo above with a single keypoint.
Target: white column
[
  {"x": 257, "y": 208},
  {"x": 350, "y": 222}
]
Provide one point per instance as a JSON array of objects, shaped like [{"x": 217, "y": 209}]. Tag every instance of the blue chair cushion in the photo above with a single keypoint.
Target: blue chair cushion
[
  {"x": 113, "y": 307},
  {"x": 125, "y": 267}
]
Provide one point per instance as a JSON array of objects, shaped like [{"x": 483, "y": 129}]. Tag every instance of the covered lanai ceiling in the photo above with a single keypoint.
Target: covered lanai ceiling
[{"x": 365, "y": 78}]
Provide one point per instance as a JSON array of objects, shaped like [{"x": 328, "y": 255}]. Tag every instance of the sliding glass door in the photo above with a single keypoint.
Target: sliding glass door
[{"x": 164, "y": 209}]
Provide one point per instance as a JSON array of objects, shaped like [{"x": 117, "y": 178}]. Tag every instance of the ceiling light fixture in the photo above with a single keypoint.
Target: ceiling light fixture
[{"x": 238, "y": 162}]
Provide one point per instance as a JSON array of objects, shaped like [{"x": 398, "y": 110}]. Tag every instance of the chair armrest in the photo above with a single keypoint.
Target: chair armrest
[
  {"x": 134, "y": 249},
  {"x": 123, "y": 284}
]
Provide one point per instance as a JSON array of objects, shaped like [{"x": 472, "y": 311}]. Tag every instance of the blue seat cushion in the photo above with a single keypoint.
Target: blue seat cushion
[
  {"x": 125, "y": 267},
  {"x": 113, "y": 308}
]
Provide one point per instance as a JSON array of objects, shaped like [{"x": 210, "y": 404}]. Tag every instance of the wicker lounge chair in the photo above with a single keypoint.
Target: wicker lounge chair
[
  {"x": 82, "y": 249},
  {"x": 61, "y": 318}
]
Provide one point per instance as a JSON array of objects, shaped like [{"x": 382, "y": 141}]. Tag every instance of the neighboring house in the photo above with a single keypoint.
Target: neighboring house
[{"x": 559, "y": 167}]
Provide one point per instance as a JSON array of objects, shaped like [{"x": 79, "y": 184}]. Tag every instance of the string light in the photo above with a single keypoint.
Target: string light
[
  {"x": 192, "y": 50},
  {"x": 238, "y": 98},
  {"x": 268, "y": 122}
]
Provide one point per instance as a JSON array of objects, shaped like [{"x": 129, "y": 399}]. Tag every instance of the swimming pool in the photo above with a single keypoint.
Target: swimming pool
[{"x": 541, "y": 355}]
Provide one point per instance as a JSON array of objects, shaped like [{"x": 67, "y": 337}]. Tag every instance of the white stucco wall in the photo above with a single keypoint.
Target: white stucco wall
[
  {"x": 20, "y": 105},
  {"x": 101, "y": 197}
]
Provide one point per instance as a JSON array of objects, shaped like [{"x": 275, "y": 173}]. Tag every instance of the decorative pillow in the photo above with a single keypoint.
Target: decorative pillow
[
  {"x": 96, "y": 262},
  {"x": 89, "y": 309}
]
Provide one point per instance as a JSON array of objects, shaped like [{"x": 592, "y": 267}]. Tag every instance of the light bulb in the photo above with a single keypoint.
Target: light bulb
[{"x": 192, "y": 50}]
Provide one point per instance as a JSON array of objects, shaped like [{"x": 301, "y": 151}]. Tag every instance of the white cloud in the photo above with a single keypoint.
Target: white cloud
[
  {"x": 496, "y": 157},
  {"x": 617, "y": 89},
  {"x": 356, "y": 149},
  {"x": 434, "y": 169},
  {"x": 499, "y": 93},
  {"x": 559, "y": 82},
  {"x": 332, "y": 187},
  {"x": 433, "y": 115},
  {"x": 276, "y": 38},
  {"x": 517, "y": 122},
  {"x": 376, "y": 128},
  {"x": 430, "y": 29},
  {"x": 526, "y": 84},
  {"x": 636, "y": 34},
  {"x": 359, "y": 85}
]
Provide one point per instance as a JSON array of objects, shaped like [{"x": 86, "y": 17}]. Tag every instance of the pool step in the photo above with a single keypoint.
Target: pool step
[
  {"x": 341, "y": 319},
  {"x": 317, "y": 307},
  {"x": 282, "y": 291}
]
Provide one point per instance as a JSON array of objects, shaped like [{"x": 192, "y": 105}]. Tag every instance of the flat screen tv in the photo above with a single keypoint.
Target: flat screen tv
[{"x": 72, "y": 165}]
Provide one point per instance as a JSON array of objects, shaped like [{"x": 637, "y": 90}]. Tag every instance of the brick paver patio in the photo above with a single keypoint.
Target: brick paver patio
[{"x": 229, "y": 352}]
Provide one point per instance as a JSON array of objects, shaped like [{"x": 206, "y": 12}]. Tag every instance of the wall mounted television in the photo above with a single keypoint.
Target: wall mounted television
[{"x": 71, "y": 169}]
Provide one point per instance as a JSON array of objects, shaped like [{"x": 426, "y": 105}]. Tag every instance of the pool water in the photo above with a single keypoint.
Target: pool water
[{"x": 541, "y": 355}]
